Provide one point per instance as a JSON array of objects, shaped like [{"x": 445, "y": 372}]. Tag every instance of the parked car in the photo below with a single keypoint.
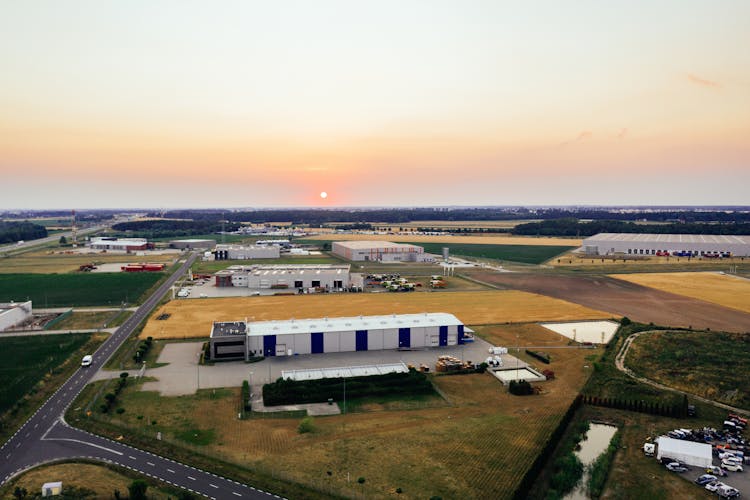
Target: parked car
[
  {"x": 731, "y": 459},
  {"x": 717, "y": 471},
  {"x": 676, "y": 467},
  {"x": 727, "y": 491},
  {"x": 731, "y": 466},
  {"x": 728, "y": 454},
  {"x": 714, "y": 486},
  {"x": 705, "y": 479}
]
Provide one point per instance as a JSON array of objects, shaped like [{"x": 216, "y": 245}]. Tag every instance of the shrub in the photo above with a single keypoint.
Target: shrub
[
  {"x": 306, "y": 425},
  {"x": 520, "y": 388},
  {"x": 137, "y": 489},
  {"x": 120, "y": 411},
  {"x": 625, "y": 321},
  {"x": 124, "y": 375}
]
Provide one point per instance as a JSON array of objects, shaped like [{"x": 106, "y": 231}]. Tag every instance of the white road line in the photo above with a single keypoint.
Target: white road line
[
  {"x": 132, "y": 457},
  {"x": 170, "y": 470},
  {"x": 213, "y": 486},
  {"x": 151, "y": 464},
  {"x": 191, "y": 478},
  {"x": 84, "y": 442},
  {"x": 235, "y": 493}
]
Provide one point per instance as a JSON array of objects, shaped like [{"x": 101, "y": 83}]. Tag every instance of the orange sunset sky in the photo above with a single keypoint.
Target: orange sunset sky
[{"x": 253, "y": 104}]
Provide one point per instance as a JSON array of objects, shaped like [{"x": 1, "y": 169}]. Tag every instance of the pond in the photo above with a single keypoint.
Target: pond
[{"x": 593, "y": 445}]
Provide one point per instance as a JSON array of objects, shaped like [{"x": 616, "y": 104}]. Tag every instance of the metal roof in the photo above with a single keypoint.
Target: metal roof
[
  {"x": 365, "y": 245},
  {"x": 288, "y": 268},
  {"x": 351, "y": 324},
  {"x": 669, "y": 238},
  {"x": 223, "y": 329},
  {"x": 345, "y": 371}
]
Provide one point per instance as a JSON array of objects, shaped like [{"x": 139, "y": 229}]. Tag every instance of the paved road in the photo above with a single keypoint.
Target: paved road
[
  {"x": 50, "y": 239},
  {"x": 47, "y": 437}
]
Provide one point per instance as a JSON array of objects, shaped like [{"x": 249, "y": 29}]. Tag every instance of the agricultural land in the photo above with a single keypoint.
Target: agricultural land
[
  {"x": 479, "y": 443},
  {"x": 526, "y": 254},
  {"x": 60, "y": 262},
  {"x": 193, "y": 317},
  {"x": 579, "y": 262},
  {"x": 726, "y": 290},
  {"x": 79, "y": 289},
  {"x": 495, "y": 239}
]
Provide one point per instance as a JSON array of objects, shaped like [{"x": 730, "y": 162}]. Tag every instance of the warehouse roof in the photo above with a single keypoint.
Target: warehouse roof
[
  {"x": 351, "y": 324},
  {"x": 364, "y": 245},
  {"x": 258, "y": 269},
  {"x": 223, "y": 329},
  {"x": 670, "y": 238}
]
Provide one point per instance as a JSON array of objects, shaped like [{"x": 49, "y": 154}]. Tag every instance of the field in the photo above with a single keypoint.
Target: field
[
  {"x": 32, "y": 358},
  {"x": 527, "y": 254},
  {"x": 79, "y": 289},
  {"x": 53, "y": 262},
  {"x": 725, "y": 290},
  {"x": 81, "y": 320},
  {"x": 702, "y": 363},
  {"x": 479, "y": 446},
  {"x": 455, "y": 224},
  {"x": 216, "y": 265},
  {"x": 101, "y": 480},
  {"x": 495, "y": 239},
  {"x": 193, "y": 318}
]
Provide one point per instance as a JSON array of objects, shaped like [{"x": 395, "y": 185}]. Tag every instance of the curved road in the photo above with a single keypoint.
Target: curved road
[{"x": 46, "y": 437}]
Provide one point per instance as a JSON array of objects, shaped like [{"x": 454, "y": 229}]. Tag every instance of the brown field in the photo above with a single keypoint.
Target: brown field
[
  {"x": 479, "y": 446},
  {"x": 725, "y": 290},
  {"x": 494, "y": 239},
  {"x": 452, "y": 224},
  {"x": 97, "y": 478},
  {"x": 193, "y": 317},
  {"x": 576, "y": 260},
  {"x": 52, "y": 262}
]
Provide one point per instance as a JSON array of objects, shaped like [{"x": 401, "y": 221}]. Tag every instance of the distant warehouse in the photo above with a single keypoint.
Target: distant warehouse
[
  {"x": 383, "y": 251},
  {"x": 695, "y": 245},
  {"x": 294, "y": 277},
  {"x": 242, "y": 252},
  {"x": 242, "y": 340},
  {"x": 192, "y": 243},
  {"x": 121, "y": 244}
]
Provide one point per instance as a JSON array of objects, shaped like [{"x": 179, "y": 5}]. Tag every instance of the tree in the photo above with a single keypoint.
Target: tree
[
  {"x": 63, "y": 240},
  {"x": 137, "y": 489},
  {"x": 20, "y": 492}
]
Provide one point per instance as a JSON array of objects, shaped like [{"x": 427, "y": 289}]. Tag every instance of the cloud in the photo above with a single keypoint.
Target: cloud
[
  {"x": 702, "y": 81},
  {"x": 622, "y": 133},
  {"x": 582, "y": 136}
]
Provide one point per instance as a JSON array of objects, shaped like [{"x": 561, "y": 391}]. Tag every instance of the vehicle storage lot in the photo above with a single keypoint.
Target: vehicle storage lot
[
  {"x": 637, "y": 302},
  {"x": 183, "y": 374},
  {"x": 739, "y": 480}
]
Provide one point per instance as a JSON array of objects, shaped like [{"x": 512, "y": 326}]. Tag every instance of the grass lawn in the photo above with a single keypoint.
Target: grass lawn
[
  {"x": 81, "y": 320},
  {"x": 527, "y": 254},
  {"x": 85, "y": 289},
  {"x": 702, "y": 363}
]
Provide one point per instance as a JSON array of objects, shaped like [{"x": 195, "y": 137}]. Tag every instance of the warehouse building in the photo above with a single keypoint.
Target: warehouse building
[
  {"x": 190, "y": 244},
  {"x": 121, "y": 244},
  {"x": 383, "y": 251},
  {"x": 667, "y": 244},
  {"x": 310, "y": 277},
  {"x": 13, "y": 314},
  {"x": 241, "y": 252},
  {"x": 327, "y": 335}
]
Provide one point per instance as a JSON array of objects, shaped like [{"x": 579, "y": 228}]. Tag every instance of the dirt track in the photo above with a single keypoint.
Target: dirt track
[{"x": 637, "y": 302}]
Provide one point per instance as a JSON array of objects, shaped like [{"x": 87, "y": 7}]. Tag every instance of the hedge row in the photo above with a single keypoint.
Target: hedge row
[
  {"x": 672, "y": 409},
  {"x": 544, "y": 358},
  {"x": 289, "y": 391}
]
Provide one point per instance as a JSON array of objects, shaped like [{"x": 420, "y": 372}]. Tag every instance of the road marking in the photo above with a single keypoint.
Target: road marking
[
  {"x": 132, "y": 457},
  {"x": 213, "y": 486},
  {"x": 151, "y": 464},
  {"x": 84, "y": 442},
  {"x": 191, "y": 478},
  {"x": 235, "y": 493},
  {"x": 170, "y": 470}
]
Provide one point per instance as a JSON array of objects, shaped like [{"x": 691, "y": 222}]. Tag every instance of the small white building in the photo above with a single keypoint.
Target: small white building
[
  {"x": 120, "y": 244},
  {"x": 52, "y": 489},
  {"x": 14, "y": 313},
  {"x": 331, "y": 277},
  {"x": 689, "y": 452},
  {"x": 383, "y": 251},
  {"x": 327, "y": 335},
  {"x": 242, "y": 252}
]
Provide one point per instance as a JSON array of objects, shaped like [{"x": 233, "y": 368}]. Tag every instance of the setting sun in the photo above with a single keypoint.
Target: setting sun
[{"x": 323, "y": 195}]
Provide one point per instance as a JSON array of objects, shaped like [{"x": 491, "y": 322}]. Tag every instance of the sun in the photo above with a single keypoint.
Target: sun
[{"x": 323, "y": 195}]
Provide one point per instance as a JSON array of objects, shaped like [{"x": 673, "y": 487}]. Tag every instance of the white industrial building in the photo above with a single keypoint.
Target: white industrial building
[
  {"x": 383, "y": 251},
  {"x": 688, "y": 452},
  {"x": 653, "y": 244},
  {"x": 120, "y": 244},
  {"x": 331, "y": 277},
  {"x": 14, "y": 313},
  {"x": 326, "y": 335},
  {"x": 242, "y": 252}
]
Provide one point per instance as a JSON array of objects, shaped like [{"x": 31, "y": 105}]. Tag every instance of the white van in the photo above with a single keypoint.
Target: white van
[{"x": 87, "y": 359}]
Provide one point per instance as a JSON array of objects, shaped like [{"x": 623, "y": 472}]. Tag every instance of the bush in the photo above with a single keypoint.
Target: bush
[
  {"x": 120, "y": 411},
  {"x": 625, "y": 321},
  {"x": 137, "y": 489},
  {"x": 306, "y": 425},
  {"x": 104, "y": 408},
  {"x": 482, "y": 367},
  {"x": 520, "y": 388},
  {"x": 544, "y": 358},
  {"x": 124, "y": 375}
]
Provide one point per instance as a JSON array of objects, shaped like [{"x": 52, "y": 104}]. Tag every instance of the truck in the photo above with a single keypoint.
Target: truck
[{"x": 649, "y": 449}]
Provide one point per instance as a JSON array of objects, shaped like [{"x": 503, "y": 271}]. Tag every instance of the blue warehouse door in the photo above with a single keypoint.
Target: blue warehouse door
[
  {"x": 460, "y": 334},
  {"x": 269, "y": 345},
  {"x": 443, "y": 336},
  {"x": 404, "y": 337},
  {"x": 361, "y": 340},
  {"x": 316, "y": 343}
]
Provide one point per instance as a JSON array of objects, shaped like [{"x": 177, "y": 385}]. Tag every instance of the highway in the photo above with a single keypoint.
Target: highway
[
  {"x": 49, "y": 239},
  {"x": 46, "y": 437}
]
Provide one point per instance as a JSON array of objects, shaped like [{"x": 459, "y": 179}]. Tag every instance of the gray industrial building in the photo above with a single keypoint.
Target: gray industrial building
[
  {"x": 194, "y": 243},
  {"x": 242, "y": 252},
  {"x": 331, "y": 277},
  {"x": 14, "y": 314},
  {"x": 383, "y": 251},
  {"x": 672, "y": 244},
  {"x": 243, "y": 340}
]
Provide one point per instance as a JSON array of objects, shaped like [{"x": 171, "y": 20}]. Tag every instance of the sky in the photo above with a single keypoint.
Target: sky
[{"x": 384, "y": 103}]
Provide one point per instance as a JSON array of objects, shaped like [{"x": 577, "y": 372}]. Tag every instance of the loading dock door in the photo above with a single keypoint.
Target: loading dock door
[
  {"x": 404, "y": 337},
  {"x": 361, "y": 340},
  {"x": 316, "y": 343},
  {"x": 460, "y": 334},
  {"x": 280, "y": 349},
  {"x": 269, "y": 345},
  {"x": 443, "y": 336}
]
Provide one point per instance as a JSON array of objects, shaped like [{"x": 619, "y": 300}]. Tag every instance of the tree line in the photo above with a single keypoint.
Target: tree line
[
  {"x": 161, "y": 228},
  {"x": 574, "y": 227},
  {"x": 10, "y": 232}
]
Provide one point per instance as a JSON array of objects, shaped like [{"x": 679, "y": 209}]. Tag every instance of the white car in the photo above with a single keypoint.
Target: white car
[
  {"x": 731, "y": 466},
  {"x": 732, "y": 459},
  {"x": 714, "y": 486},
  {"x": 87, "y": 360}
]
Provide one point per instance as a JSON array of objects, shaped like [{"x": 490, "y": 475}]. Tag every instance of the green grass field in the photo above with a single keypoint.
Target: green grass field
[
  {"x": 97, "y": 289},
  {"x": 526, "y": 254},
  {"x": 32, "y": 358}
]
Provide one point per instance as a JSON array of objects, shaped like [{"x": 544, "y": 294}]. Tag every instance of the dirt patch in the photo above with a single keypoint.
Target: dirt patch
[
  {"x": 193, "y": 318},
  {"x": 623, "y": 298}
]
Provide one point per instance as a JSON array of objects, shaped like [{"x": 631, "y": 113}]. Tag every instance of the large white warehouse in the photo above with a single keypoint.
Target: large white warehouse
[
  {"x": 14, "y": 313},
  {"x": 384, "y": 251},
  {"x": 332, "y": 277},
  {"x": 238, "y": 340},
  {"x": 242, "y": 252},
  {"x": 653, "y": 244}
]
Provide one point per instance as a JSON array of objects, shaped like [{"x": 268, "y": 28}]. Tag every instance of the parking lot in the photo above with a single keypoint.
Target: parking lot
[{"x": 183, "y": 374}]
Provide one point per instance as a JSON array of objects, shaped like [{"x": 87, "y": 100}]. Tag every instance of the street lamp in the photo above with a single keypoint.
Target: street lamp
[{"x": 198, "y": 370}]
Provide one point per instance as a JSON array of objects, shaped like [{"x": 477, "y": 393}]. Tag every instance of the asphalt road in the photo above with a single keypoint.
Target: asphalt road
[
  {"x": 46, "y": 437},
  {"x": 49, "y": 239}
]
